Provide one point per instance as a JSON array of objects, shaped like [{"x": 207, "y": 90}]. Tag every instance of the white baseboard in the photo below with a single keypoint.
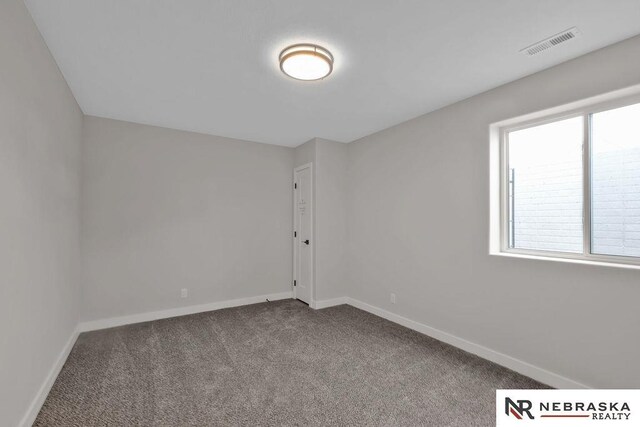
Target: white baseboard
[
  {"x": 43, "y": 392},
  {"x": 524, "y": 368},
  {"x": 112, "y": 322},
  {"x": 330, "y": 302},
  {"x": 514, "y": 364},
  {"x": 41, "y": 396}
]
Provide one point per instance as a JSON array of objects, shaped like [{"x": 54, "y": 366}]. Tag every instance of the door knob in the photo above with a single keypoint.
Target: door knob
[{"x": 306, "y": 242}]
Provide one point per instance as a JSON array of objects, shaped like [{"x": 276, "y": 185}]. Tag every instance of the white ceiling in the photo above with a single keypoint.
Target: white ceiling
[{"x": 211, "y": 65}]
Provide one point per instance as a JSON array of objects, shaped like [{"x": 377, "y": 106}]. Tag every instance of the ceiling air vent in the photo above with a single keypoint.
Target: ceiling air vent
[{"x": 552, "y": 41}]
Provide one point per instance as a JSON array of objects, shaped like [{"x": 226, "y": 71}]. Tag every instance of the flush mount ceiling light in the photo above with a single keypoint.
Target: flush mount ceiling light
[{"x": 306, "y": 62}]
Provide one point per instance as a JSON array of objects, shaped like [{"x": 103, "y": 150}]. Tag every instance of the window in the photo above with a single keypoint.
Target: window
[
  {"x": 570, "y": 184},
  {"x": 615, "y": 182},
  {"x": 545, "y": 186}
]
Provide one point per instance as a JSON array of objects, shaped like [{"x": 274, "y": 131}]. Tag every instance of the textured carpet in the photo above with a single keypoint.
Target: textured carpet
[{"x": 278, "y": 363}]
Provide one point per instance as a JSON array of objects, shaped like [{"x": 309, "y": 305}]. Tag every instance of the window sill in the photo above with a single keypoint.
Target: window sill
[{"x": 567, "y": 260}]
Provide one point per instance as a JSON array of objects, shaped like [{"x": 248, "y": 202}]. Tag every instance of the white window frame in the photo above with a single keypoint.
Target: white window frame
[{"x": 502, "y": 130}]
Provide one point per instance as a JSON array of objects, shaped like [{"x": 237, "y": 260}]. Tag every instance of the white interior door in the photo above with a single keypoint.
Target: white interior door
[{"x": 303, "y": 233}]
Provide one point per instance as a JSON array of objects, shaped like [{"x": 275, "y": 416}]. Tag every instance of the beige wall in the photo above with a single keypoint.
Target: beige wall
[
  {"x": 419, "y": 224},
  {"x": 164, "y": 210},
  {"x": 40, "y": 135}
]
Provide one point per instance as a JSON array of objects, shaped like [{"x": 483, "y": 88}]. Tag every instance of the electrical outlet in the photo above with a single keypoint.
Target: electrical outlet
[
  {"x": 393, "y": 298},
  {"x": 184, "y": 293}
]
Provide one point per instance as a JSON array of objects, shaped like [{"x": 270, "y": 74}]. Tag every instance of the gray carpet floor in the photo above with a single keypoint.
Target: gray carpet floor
[{"x": 277, "y": 363}]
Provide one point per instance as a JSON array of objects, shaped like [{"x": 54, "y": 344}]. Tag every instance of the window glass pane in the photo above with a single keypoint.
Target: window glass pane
[
  {"x": 615, "y": 181},
  {"x": 545, "y": 187}
]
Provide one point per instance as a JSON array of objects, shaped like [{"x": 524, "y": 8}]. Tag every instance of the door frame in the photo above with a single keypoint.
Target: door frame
[{"x": 312, "y": 237}]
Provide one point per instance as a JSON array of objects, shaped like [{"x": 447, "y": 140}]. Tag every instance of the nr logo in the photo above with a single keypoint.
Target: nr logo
[{"x": 518, "y": 408}]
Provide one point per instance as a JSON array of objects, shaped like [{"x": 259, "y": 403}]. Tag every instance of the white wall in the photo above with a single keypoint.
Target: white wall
[
  {"x": 331, "y": 219},
  {"x": 616, "y": 211},
  {"x": 329, "y": 160},
  {"x": 164, "y": 210},
  {"x": 419, "y": 223},
  {"x": 547, "y": 206},
  {"x": 305, "y": 153},
  {"x": 40, "y": 135}
]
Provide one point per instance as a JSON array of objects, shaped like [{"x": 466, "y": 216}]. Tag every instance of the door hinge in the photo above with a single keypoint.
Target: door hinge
[
  {"x": 295, "y": 185},
  {"x": 294, "y": 283},
  {"x": 295, "y": 234}
]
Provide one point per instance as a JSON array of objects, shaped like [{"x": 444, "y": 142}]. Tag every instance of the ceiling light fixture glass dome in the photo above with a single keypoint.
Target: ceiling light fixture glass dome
[{"x": 306, "y": 62}]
